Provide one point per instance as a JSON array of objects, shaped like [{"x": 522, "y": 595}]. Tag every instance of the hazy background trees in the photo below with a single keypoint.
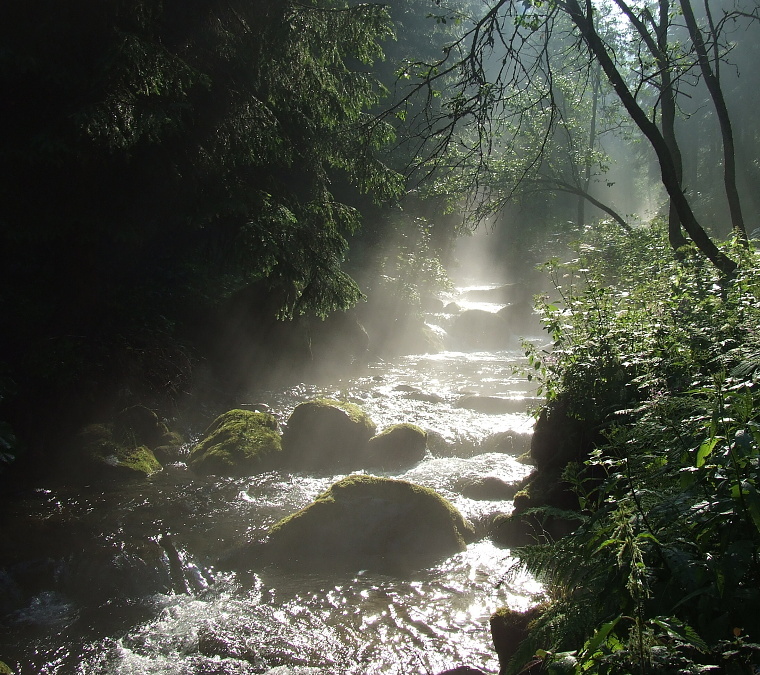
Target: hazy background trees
[{"x": 506, "y": 82}]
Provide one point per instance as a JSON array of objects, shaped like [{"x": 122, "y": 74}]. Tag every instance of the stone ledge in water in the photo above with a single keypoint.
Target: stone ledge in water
[
  {"x": 492, "y": 405},
  {"x": 237, "y": 443},
  {"x": 398, "y": 446},
  {"x": 479, "y": 329},
  {"x": 325, "y": 434},
  {"x": 367, "y": 522},
  {"x": 509, "y": 628}
]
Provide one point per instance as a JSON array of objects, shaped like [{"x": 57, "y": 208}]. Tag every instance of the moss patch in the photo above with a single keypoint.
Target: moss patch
[
  {"x": 367, "y": 522},
  {"x": 101, "y": 451},
  {"x": 239, "y": 442}
]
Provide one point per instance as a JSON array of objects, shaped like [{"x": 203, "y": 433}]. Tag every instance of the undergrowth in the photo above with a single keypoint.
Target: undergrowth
[{"x": 663, "y": 574}]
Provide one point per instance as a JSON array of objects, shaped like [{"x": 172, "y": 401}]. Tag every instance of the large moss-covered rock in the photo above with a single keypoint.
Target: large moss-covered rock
[
  {"x": 100, "y": 450},
  {"x": 326, "y": 435},
  {"x": 366, "y": 522},
  {"x": 238, "y": 443},
  {"x": 398, "y": 446}
]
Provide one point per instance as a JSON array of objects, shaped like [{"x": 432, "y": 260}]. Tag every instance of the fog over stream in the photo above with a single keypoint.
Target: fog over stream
[{"x": 138, "y": 581}]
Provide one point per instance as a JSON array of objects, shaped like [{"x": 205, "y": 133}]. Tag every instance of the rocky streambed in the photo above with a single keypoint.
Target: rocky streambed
[{"x": 166, "y": 573}]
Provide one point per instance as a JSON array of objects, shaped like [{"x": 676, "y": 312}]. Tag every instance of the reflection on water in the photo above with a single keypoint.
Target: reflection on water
[
  {"x": 110, "y": 558},
  {"x": 424, "y": 389},
  {"x": 357, "y": 625}
]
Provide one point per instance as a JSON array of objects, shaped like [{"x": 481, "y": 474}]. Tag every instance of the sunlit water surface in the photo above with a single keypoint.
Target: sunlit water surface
[{"x": 109, "y": 549}]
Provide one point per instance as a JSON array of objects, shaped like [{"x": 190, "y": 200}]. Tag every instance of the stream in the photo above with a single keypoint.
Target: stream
[{"x": 134, "y": 573}]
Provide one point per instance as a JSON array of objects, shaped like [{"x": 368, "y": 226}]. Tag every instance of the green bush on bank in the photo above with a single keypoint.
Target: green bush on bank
[{"x": 663, "y": 574}]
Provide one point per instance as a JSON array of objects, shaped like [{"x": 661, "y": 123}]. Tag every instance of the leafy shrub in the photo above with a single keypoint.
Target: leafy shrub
[{"x": 663, "y": 574}]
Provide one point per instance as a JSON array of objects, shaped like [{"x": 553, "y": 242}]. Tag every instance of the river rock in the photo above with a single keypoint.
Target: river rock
[
  {"x": 237, "y": 443},
  {"x": 424, "y": 397},
  {"x": 509, "y": 628},
  {"x": 396, "y": 447},
  {"x": 478, "y": 329},
  {"x": 487, "y": 488},
  {"x": 366, "y": 522},
  {"x": 325, "y": 435},
  {"x": 101, "y": 571},
  {"x": 125, "y": 445},
  {"x": 508, "y": 442},
  {"x": 140, "y": 426},
  {"x": 100, "y": 451},
  {"x": 492, "y": 405},
  {"x": 171, "y": 448}
]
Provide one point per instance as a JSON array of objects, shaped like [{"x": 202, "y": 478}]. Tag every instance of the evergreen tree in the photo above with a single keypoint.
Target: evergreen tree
[{"x": 159, "y": 155}]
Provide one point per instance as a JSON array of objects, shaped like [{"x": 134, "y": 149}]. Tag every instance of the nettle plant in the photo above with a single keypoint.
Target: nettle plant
[{"x": 663, "y": 574}]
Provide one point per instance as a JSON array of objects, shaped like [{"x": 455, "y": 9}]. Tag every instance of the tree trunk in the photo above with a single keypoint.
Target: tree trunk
[
  {"x": 586, "y": 183},
  {"x": 659, "y": 50},
  {"x": 721, "y": 110},
  {"x": 649, "y": 129},
  {"x": 668, "y": 109}
]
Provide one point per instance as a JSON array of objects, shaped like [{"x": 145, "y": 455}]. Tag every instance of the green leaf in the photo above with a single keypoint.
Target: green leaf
[
  {"x": 600, "y": 636},
  {"x": 705, "y": 450},
  {"x": 683, "y": 631}
]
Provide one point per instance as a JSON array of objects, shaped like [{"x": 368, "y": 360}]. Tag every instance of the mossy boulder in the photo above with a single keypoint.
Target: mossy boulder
[
  {"x": 327, "y": 435},
  {"x": 366, "y": 522},
  {"x": 100, "y": 450},
  {"x": 238, "y": 443},
  {"x": 398, "y": 446}
]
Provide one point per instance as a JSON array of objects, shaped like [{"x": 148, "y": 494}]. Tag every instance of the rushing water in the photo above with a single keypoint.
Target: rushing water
[{"x": 134, "y": 577}]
